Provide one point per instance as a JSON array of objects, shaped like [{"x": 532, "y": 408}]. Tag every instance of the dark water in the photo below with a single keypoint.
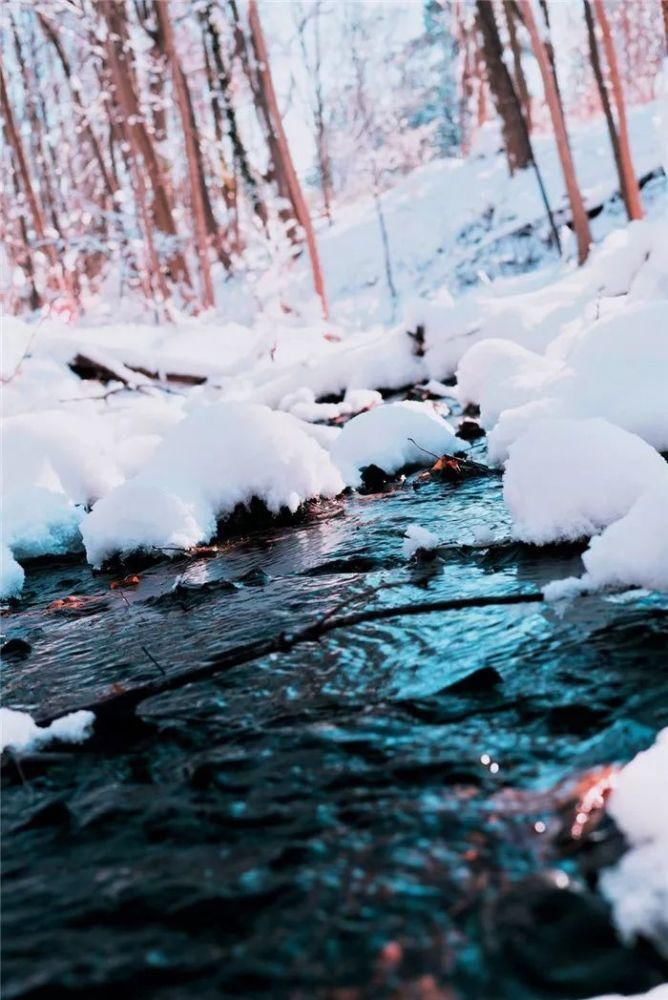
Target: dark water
[{"x": 319, "y": 823}]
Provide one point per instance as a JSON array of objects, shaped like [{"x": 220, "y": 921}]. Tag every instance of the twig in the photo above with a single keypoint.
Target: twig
[
  {"x": 425, "y": 450},
  {"x": 109, "y": 708}
]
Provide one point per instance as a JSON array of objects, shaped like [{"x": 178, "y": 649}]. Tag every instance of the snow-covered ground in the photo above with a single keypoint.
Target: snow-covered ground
[{"x": 569, "y": 368}]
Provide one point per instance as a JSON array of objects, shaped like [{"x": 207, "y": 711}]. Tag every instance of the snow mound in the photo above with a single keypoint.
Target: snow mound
[
  {"x": 498, "y": 374},
  {"x": 634, "y": 550},
  {"x": 218, "y": 457},
  {"x": 11, "y": 575},
  {"x": 19, "y": 731},
  {"x": 382, "y": 437},
  {"x": 417, "y": 538},
  {"x": 637, "y": 886},
  {"x": 568, "y": 479},
  {"x": 61, "y": 452},
  {"x": 613, "y": 368},
  {"x": 38, "y": 522}
]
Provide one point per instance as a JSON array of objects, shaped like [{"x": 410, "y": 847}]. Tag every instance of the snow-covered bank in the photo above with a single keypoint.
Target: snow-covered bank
[{"x": 174, "y": 426}]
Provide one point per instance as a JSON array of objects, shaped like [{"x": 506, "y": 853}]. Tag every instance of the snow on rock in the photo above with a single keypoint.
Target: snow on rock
[
  {"x": 614, "y": 368},
  {"x": 60, "y": 451},
  {"x": 302, "y": 404},
  {"x": 568, "y": 479},
  {"x": 417, "y": 538},
  {"x": 620, "y": 369},
  {"x": 38, "y": 522},
  {"x": 19, "y": 731},
  {"x": 218, "y": 457},
  {"x": 637, "y": 886},
  {"x": 382, "y": 436},
  {"x": 633, "y": 550},
  {"x": 499, "y": 374},
  {"x": 12, "y": 575}
]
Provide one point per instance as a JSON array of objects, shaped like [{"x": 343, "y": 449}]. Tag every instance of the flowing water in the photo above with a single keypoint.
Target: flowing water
[{"x": 373, "y": 815}]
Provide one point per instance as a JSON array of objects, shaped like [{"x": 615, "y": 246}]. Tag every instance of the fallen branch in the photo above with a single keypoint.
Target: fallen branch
[{"x": 120, "y": 703}]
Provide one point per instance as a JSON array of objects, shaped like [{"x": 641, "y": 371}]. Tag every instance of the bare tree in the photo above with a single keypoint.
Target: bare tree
[
  {"x": 501, "y": 86},
  {"x": 580, "y": 219},
  {"x": 521, "y": 86},
  {"x": 281, "y": 151},
  {"x": 198, "y": 195},
  {"x": 595, "y": 60},
  {"x": 633, "y": 202}
]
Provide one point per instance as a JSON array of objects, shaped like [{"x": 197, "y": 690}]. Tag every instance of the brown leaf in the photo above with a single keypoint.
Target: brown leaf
[{"x": 127, "y": 581}]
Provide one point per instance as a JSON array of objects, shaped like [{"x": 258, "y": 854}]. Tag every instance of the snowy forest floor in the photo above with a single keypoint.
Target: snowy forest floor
[{"x": 408, "y": 806}]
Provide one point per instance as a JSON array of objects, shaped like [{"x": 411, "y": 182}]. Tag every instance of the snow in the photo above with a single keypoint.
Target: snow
[
  {"x": 12, "y": 575},
  {"x": 302, "y": 404},
  {"x": 218, "y": 457},
  {"x": 417, "y": 539},
  {"x": 499, "y": 374},
  {"x": 560, "y": 343},
  {"x": 568, "y": 479},
  {"x": 634, "y": 550},
  {"x": 38, "y": 522},
  {"x": 19, "y": 731},
  {"x": 658, "y": 993},
  {"x": 392, "y": 437},
  {"x": 637, "y": 886}
]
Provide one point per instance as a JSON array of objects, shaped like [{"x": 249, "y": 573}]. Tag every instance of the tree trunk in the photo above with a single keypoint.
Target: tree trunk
[
  {"x": 198, "y": 193},
  {"x": 139, "y": 140},
  {"x": 34, "y": 206},
  {"x": 279, "y": 146},
  {"x": 605, "y": 100},
  {"x": 109, "y": 180},
  {"x": 580, "y": 220},
  {"x": 664, "y": 9},
  {"x": 238, "y": 149},
  {"x": 634, "y": 204},
  {"x": 520, "y": 79},
  {"x": 501, "y": 85}
]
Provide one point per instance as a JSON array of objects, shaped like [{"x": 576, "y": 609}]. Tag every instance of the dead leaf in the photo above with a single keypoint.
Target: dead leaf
[{"x": 127, "y": 581}]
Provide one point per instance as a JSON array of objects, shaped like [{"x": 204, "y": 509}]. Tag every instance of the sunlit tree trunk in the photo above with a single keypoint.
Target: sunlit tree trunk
[
  {"x": 501, "y": 86},
  {"x": 605, "y": 100},
  {"x": 281, "y": 151},
  {"x": 518, "y": 71},
  {"x": 634, "y": 204},
  {"x": 140, "y": 143},
  {"x": 110, "y": 182},
  {"x": 580, "y": 219},
  {"x": 34, "y": 205},
  {"x": 225, "y": 86}
]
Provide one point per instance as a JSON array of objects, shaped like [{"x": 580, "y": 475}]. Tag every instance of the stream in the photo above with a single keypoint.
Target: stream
[{"x": 378, "y": 814}]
